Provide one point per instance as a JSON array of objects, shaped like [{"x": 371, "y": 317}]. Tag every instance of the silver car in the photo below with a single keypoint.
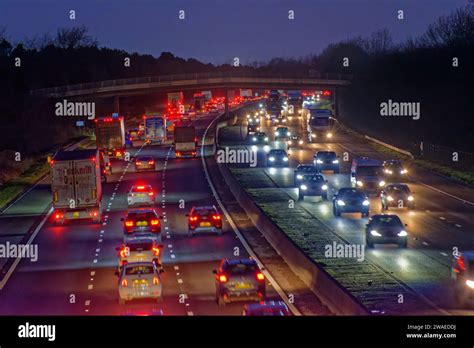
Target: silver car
[
  {"x": 141, "y": 195},
  {"x": 139, "y": 280},
  {"x": 139, "y": 249}
]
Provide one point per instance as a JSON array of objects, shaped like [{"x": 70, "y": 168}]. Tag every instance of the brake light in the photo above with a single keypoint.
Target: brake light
[
  {"x": 58, "y": 216},
  {"x": 123, "y": 252},
  {"x": 223, "y": 278},
  {"x": 156, "y": 251},
  {"x": 151, "y": 193},
  {"x": 151, "y": 162},
  {"x": 124, "y": 283},
  {"x": 155, "y": 222},
  {"x": 216, "y": 217},
  {"x": 193, "y": 218},
  {"x": 118, "y": 153},
  {"x": 460, "y": 265},
  {"x": 138, "y": 163},
  {"x": 260, "y": 276},
  {"x": 141, "y": 187},
  {"x": 129, "y": 223},
  {"x": 156, "y": 281}
]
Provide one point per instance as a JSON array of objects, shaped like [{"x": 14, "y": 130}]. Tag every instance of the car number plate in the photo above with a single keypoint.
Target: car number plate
[
  {"x": 142, "y": 223},
  {"x": 205, "y": 224},
  {"x": 75, "y": 214},
  {"x": 242, "y": 286}
]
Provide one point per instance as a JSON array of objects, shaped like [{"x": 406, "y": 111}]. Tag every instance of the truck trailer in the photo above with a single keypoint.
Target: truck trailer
[
  {"x": 185, "y": 141},
  {"x": 110, "y": 136}
]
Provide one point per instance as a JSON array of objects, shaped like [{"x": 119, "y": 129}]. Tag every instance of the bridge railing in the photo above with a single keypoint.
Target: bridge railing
[{"x": 183, "y": 77}]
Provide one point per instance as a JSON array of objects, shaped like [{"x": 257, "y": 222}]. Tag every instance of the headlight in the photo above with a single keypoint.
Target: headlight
[
  {"x": 284, "y": 120},
  {"x": 319, "y": 161},
  {"x": 272, "y": 159},
  {"x": 260, "y": 105},
  {"x": 470, "y": 283},
  {"x": 303, "y": 187},
  {"x": 290, "y": 142},
  {"x": 340, "y": 202},
  {"x": 266, "y": 138},
  {"x": 335, "y": 161},
  {"x": 299, "y": 177},
  {"x": 402, "y": 234},
  {"x": 324, "y": 187},
  {"x": 254, "y": 139},
  {"x": 288, "y": 134},
  {"x": 258, "y": 128},
  {"x": 276, "y": 133},
  {"x": 254, "y": 148},
  {"x": 403, "y": 171},
  {"x": 285, "y": 159},
  {"x": 313, "y": 135},
  {"x": 388, "y": 171},
  {"x": 266, "y": 148},
  {"x": 300, "y": 142},
  {"x": 329, "y": 135},
  {"x": 248, "y": 116},
  {"x": 390, "y": 198},
  {"x": 299, "y": 111},
  {"x": 410, "y": 198},
  {"x": 360, "y": 183},
  {"x": 382, "y": 183},
  {"x": 375, "y": 233},
  {"x": 365, "y": 202}
]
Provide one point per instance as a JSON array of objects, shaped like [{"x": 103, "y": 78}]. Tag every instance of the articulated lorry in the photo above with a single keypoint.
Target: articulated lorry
[
  {"x": 185, "y": 141},
  {"x": 110, "y": 136},
  {"x": 155, "y": 128},
  {"x": 76, "y": 185}
]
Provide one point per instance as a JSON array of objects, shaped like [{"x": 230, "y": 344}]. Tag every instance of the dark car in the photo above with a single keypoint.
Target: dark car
[
  {"x": 277, "y": 157},
  {"x": 138, "y": 221},
  {"x": 326, "y": 160},
  {"x": 385, "y": 229},
  {"x": 268, "y": 308},
  {"x": 259, "y": 138},
  {"x": 397, "y": 195},
  {"x": 350, "y": 200},
  {"x": 239, "y": 280},
  {"x": 204, "y": 219},
  {"x": 394, "y": 170},
  {"x": 313, "y": 185},
  {"x": 144, "y": 163},
  {"x": 282, "y": 132},
  {"x": 294, "y": 141},
  {"x": 303, "y": 169}
]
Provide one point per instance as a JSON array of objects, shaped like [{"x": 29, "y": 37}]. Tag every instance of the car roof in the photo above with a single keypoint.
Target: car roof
[
  {"x": 392, "y": 185},
  {"x": 141, "y": 210},
  {"x": 247, "y": 261},
  {"x": 306, "y": 165}
]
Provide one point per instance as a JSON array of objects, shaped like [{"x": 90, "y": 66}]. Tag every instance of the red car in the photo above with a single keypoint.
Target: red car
[
  {"x": 143, "y": 221},
  {"x": 204, "y": 219}
]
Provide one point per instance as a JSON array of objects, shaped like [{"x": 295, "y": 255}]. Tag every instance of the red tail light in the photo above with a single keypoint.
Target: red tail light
[
  {"x": 151, "y": 193},
  {"x": 155, "y": 222},
  {"x": 58, "y": 216},
  {"x": 216, "y": 217},
  {"x": 156, "y": 251},
  {"x": 129, "y": 223},
  {"x": 124, "y": 283},
  {"x": 223, "y": 278},
  {"x": 156, "y": 281},
  {"x": 141, "y": 187},
  {"x": 193, "y": 218},
  {"x": 151, "y": 162},
  {"x": 138, "y": 163},
  {"x": 123, "y": 252},
  {"x": 460, "y": 265},
  {"x": 260, "y": 276},
  {"x": 118, "y": 153}
]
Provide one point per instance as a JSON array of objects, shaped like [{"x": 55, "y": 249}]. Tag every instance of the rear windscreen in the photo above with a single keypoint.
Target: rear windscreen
[
  {"x": 140, "y": 246},
  {"x": 139, "y": 270},
  {"x": 241, "y": 268}
]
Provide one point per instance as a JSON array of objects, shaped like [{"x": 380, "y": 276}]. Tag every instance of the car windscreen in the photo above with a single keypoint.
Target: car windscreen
[
  {"x": 369, "y": 171},
  {"x": 240, "y": 268},
  {"x": 313, "y": 178},
  {"x": 278, "y": 153},
  {"x": 135, "y": 270},
  {"x": 326, "y": 155},
  {"x": 398, "y": 189},
  {"x": 141, "y": 216},
  {"x": 351, "y": 194},
  {"x": 319, "y": 121},
  {"x": 387, "y": 221}
]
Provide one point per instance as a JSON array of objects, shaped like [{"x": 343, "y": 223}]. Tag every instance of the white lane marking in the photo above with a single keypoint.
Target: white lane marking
[
  {"x": 180, "y": 281},
  {"x": 173, "y": 256},
  {"x": 168, "y": 236},
  {"x": 442, "y": 218},
  {"x": 90, "y": 287},
  {"x": 190, "y": 314},
  {"x": 100, "y": 240},
  {"x": 92, "y": 273},
  {"x": 30, "y": 240},
  {"x": 458, "y": 225},
  {"x": 424, "y": 243},
  {"x": 170, "y": 245},
  {"x": 444, "y": 254},
  {"x": 95, "y": 261},
  {"x": 87, "y": 303},
  {"x": 276, "y": 286},
  {"x": 176, "y": 268}
]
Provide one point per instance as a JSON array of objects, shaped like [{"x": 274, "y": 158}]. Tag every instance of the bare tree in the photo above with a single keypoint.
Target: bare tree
[
  {"x": 74, "y": 38},
  {"x": 380, "y": 42}
]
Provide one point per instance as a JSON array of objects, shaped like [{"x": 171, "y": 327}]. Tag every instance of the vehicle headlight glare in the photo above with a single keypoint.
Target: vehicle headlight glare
[
  {"x": 340, "y": 202},
  {"x": 402, "y": 234},
  {"x": 303, "y": 187},
  {"x": 365, "y": 202},
  {"x": 375, "y": 233},
  {"x": 382, "y": 183}
]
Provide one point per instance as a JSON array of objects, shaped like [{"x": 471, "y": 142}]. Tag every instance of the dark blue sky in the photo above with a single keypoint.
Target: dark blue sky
[{"x": 218, "y": 30}]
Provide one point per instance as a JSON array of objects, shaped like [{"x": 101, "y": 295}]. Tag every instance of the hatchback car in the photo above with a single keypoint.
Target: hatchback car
[
  {"x": 139, "y": 280},
  {"x": 326, "y": 160},
  {"x": 282, "y": 132},
  {"x": 144, "y": 221},
  {"x": 303, "y": 169},
  {"x": 141, "y": 249},
  {"x": 141, "y": 195},
  {"x": 277, "y": 157},
  {"x": 144, "y": 163},
  {"x": 239, "y": 280},
  {"x": 259, "y": 138},
  {"x": 385, "y": 229},
  {"x": 313, "y": 185},
  {"x": 397, "y": 195},
  {"x": 394, "y": 170},
  {"x": 350, "y": 200},
  {"x": 204, "y": 219}
]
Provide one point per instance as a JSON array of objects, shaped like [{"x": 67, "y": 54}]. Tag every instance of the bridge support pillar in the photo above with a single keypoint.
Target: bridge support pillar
[
  {"x": 117, "y": 104},
  {"x": 226, "y": 103}
]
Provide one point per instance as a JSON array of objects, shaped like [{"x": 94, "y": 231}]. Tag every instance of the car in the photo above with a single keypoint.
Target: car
[
  {"x": 141, "y": 249},
  {"x": 204, "y": 219},
  {"x": 134, "y": 134},
  {"x": 141, "y": 195},
  {"x": 277, "y": 157},
  {"x": 303, "y": 169},
  {"x": 259, "y": 138},
  {"x": 397, "y": 195},
  {"x": 282, "y": 132},
  {"x": 144, "y": 163},
  {"x": 139, "y": 280},
  {"x": 266, "y": 308},
  {"x": 312, "y": 185},
  {"x": 462, "y": 275},
  {"x": 394, "y": 170},
  {"x": 294, "y": 141},
  {"x": 239, "y": 280},
  {"x": 252, "y": 128},
  {"x": 212, "y": 109},
  {"x": 386, "y": 229},
  {"x": 326, "y": 160},
  {"x": 142, "y": 222},
  {"x": 350, "y": 200}
]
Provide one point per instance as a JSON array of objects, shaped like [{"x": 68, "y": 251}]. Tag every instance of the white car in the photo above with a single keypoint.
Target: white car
[
  {"x": 139, "y": 280},
  {"x": 141, "y": 195},
  {"x": 140, "y": 249}
]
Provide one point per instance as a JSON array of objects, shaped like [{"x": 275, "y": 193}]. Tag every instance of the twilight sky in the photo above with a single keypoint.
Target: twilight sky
[{"x": 217, "y": 30}]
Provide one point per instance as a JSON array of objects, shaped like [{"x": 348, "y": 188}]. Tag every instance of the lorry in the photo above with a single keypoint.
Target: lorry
[
  {"x": 110, "y": 136},
  {"x": 76, "y": 185},
  {"x": 246, "y": 94},
  {"x": 155, "y": 128},
  {"x": 294, "y": 103},
  {"x": 207, "y": 95},
  {"x": 320, "y": 124},
  {"x": 199, "y": 102},
  {"x": 367, "y": 174},
  {"x": 185, "y": 141},
  {"x": 273, "y": 110}
]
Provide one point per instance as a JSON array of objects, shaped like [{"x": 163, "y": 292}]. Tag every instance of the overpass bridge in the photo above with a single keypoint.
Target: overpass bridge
[{"x": 199, "y": 81}]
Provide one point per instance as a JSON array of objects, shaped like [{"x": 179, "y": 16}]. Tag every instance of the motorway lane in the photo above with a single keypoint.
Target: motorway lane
[
  {"x": 438, "y": 223},
  {"x": 79, "y": 259}
]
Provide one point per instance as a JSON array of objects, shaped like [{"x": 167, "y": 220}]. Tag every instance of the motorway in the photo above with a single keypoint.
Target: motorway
[
  {"x": 74, "y": 274},
  {"x": 440, "y": 222}
]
